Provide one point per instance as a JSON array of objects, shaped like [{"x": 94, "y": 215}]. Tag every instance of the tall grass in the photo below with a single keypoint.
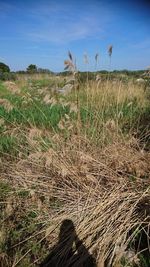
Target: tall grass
[{"x": 75, "y": 156}]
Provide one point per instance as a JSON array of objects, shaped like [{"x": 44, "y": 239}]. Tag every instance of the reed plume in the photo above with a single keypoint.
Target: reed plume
[
  {"x": 96, "y": 60},
  {"x": 70, "y": 64},
  {"x": 110, "y": 48}
]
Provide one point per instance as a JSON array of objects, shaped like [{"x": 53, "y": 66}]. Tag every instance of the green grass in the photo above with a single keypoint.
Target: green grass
[
  {"x": 129, "y": 113},
  {"x": 8, "y": 145},
  {"x": 30, "y": 111},
  {"x": 37, "y": 114},
  {"x": 5, "y": 189}
]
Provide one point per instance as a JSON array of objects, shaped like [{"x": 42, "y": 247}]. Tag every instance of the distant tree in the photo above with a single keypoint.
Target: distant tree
[
  {"x": 4, "y": 68},
  {"x": 21, "y": 72},
  {"x": 32, "y": 68},
  {"x": 103, "y": 71},
  {"x": 41, "y": 70}
]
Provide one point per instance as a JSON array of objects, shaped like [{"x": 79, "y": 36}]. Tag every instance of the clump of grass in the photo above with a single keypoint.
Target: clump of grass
[
  {"x": 4, "y": 190},
  {"x": 8, "y": 145},
  {"x": 78, "y": 157}
]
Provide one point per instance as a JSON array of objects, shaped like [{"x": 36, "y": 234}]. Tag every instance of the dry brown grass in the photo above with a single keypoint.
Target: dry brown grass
[
  {"x": 104, "y": 94},
  {"x": 6, "y": 104},
  {"x": 103, "y": 189},
  {"x": 12, "y": 87},
  {"x": 98, "y": 190}
]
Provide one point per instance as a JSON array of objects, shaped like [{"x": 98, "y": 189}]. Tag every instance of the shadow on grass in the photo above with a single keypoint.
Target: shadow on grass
[{"x": 69, "y": 251}]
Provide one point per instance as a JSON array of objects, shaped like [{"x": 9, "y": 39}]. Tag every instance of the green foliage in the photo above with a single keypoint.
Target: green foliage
[
  {"x": 4, "y": 68},
  {"x": 104, "y": 73},
  {"x": 145, "y": 262},
  {"x": 8, "y": 145},
  {"x": 36, "y": 84},
  {"x": 7, "y": 76},
  {"x": 35, "y": 114},
  {"x": 21, "y": 72},
  {"x": 3, "y": 90},
  {"x": 32, "y": 68},
  {"x": 135, "y": 73},
  {"x": 41, "y": 70}
]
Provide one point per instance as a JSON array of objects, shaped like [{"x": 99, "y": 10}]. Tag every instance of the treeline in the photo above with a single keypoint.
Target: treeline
[
  {"x": 104, "y": 74},
  {"x": 34, "y": 69},
  {"x": 7, "y": 74},
  {"x": 135, "y": 73}
]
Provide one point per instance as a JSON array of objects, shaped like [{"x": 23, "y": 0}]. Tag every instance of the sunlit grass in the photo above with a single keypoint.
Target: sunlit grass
[{"x": 82, "y": 155}]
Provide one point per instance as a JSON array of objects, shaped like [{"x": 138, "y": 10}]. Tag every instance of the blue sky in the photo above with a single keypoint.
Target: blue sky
[{"x": 41, "y": 32}]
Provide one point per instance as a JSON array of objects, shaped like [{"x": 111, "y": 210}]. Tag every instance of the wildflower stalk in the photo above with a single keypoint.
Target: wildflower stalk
[{"x": 70, "y": 65}]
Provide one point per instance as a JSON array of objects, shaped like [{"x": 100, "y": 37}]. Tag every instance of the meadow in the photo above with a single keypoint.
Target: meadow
[{"x": 81, "y": 155}]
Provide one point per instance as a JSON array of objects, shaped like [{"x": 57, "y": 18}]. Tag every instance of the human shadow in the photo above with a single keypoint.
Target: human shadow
[{"x": 69, "y": 251}]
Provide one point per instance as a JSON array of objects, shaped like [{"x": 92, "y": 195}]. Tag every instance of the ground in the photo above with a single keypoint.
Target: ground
[{"x": 82, "y": 155}]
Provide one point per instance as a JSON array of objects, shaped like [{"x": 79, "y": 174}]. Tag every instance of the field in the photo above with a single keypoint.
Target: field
[{"x": 81, "y": 155}]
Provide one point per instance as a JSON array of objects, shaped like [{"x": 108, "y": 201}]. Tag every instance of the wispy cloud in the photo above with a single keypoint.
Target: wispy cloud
[
  {"x": 42, "y": 31},
  {"x": 68, "y": 32},
  {"x": 58, "y": 22},
  {"x": 63, "y": 23}
]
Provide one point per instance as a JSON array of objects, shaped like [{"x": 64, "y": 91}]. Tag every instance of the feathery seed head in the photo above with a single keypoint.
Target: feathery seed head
[{"x": 110, "y": 50}]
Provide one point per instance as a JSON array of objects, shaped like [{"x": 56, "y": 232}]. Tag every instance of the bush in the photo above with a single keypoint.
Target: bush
[
  {"x": 32, "y": 68},
  {"x": 7, "y": 76},
  {"x": 4, "y": 68}
]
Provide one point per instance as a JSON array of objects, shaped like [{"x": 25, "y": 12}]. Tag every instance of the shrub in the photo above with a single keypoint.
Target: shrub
[
  {"x": 32, "y": 68},
  {"x": 4, "y": 68},
  {"x": 7, "y": 76}
]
